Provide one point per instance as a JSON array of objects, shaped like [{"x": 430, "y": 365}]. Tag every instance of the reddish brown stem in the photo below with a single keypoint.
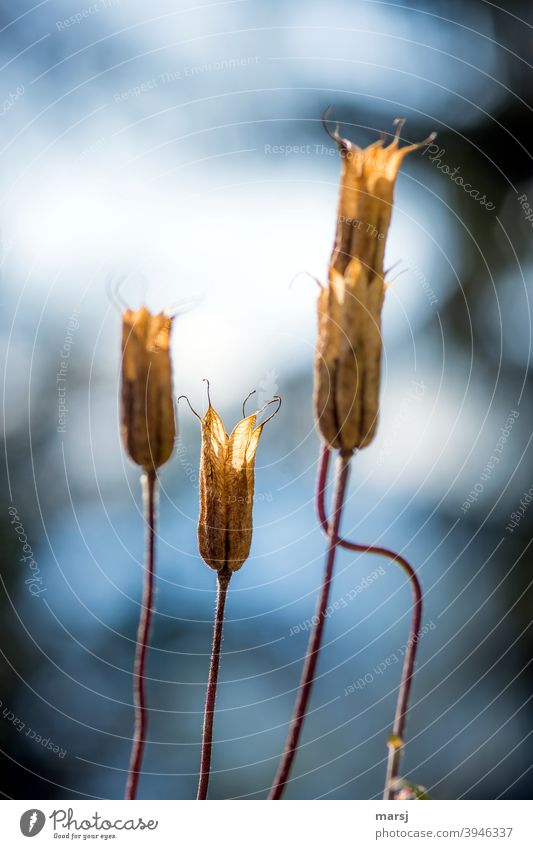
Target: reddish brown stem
[
  {"x": 224, "y": 576},
  {"x": 139, "y": 688},
  {"x": 402, "y": 705},
  {"x": 315, "y": 640}
]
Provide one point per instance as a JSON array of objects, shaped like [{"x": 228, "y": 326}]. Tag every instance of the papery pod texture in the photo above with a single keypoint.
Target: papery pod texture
[
  {"x": 349, "y": 346},
  {"x": 226, "y": 490},
  {"x": 148, "y": 422}
]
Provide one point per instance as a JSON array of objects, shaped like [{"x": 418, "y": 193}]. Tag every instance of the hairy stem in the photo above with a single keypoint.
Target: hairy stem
[
  {"x": 402, "y": 706},
  {"x": 224, "y": 576},
  {"x": 148, "y": 480},
  {"x": 315, "y": 639}
]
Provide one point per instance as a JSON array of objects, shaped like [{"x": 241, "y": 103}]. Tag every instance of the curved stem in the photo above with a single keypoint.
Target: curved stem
[
  {"x": 315, "y": 640},
  {"x": 402, "y": 705},
  {"x": 224, "y": 576},
  {"x": 148, "y": 480}
]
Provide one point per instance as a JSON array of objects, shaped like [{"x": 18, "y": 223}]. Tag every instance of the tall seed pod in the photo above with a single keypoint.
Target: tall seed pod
[
  {"x": 227, "y": 467},
  {"x": 148, "y": 429},
  {"x": 349, "y": 346},
  {"x": 147, "y": 407}
]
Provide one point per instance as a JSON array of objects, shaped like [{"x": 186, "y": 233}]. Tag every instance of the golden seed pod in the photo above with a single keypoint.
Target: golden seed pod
[
  {"x": 148, "y": 423},
  {"x": 227, "y": 489},
  {"x": 349, "y": 345}
]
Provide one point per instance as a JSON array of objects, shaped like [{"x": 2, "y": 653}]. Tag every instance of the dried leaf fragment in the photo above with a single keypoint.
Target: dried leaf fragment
[
  {"x": 349, "y": 346},
  {"x": 227, "y": 489},
  {"x": 407, "y": 791},
  {"x": 148, "y": 424}
]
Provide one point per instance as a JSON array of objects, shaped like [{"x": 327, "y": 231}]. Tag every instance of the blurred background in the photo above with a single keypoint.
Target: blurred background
[{"x": 179, "y": 147}]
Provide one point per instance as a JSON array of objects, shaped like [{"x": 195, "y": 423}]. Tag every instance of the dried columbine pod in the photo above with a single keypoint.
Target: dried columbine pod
[
  {"x": 147, "y": 407},
  {"x": 224, "y": 529},
  {"x": 348, "y": 352},
  {"x": 148, "y": 429},
  {"x": 227, "y": 488},
  {"x": 347, "y": 367}
]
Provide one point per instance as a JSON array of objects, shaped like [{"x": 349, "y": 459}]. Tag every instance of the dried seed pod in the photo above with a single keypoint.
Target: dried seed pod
[
  {"x": 148, "y": 424},
  {"x": 348, "y": 352},
  {"x": 227, "y": 488}
]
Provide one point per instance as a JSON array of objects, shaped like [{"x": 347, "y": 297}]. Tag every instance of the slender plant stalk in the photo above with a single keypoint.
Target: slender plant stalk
[
  {"x": 315, "y": 640},
  {"x": 402, "y": 705},
  {"x": 224, "y": 577},
  {"x": 148, "y": 480}
]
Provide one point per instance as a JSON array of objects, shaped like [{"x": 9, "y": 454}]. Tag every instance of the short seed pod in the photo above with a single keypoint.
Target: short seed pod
[
  {"x": 227, "y": 488},
  {"x": 349, "y": 346},
  {"x": 148, "y": 422}
]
